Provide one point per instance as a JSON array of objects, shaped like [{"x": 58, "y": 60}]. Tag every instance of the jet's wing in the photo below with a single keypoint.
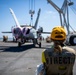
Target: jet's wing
[
  {"x": 46, "y": 32},
  {"x": 7, "y": 32}
]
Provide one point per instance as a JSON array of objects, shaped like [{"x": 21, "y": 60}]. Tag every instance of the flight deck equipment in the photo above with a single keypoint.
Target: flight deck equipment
[
  {"x": 31, "y": 10},
  {"x": 64, "y": 19}
]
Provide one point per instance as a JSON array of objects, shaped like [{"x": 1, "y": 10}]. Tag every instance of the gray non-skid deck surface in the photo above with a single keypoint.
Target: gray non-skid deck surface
[{"x": 21, "y": 60}]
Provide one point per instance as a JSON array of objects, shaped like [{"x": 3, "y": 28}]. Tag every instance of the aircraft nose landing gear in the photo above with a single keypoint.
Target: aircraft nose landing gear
[
  {"x": 37, "y": 41},
  {"x": 40, "y": 45}
]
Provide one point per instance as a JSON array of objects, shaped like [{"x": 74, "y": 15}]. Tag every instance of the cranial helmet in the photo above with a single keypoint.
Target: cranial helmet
[{"x": 58, "y": 33}]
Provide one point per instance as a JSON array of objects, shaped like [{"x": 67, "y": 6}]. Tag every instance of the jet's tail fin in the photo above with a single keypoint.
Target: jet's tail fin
[
  {"x": 36, "y": 22},
  {"x": 14, "y": 16}
]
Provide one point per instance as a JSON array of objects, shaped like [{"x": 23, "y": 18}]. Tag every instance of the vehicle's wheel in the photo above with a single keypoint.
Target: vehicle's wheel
[
  {"x": 19, "y": 44},
  {"x": 72, "y": 40},
  {"x": 40, "y": 45},
  {"x": 34, "y": 45}
]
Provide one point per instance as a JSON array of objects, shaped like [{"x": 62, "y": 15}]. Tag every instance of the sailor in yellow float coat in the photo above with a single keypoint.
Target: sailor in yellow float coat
[{"x": 59, "y": 59}]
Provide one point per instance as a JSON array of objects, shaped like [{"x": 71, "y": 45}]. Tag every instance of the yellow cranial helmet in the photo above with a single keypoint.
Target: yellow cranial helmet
[{"x": 58, "y": 33}]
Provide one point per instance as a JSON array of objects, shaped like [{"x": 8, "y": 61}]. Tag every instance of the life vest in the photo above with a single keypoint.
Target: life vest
[{"x": 59, "y": 64}]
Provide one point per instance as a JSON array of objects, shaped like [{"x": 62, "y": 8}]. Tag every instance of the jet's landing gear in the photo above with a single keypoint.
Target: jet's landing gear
[
  {"x": 34, "y": 42},
  {"x": 39, "y": 45},
  {"x": 19, "y": 44},
  {"x": 37, "y": 41}
]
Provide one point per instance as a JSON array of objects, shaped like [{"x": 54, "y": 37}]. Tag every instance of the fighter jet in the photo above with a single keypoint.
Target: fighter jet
[{"x": 21, "y": 34}]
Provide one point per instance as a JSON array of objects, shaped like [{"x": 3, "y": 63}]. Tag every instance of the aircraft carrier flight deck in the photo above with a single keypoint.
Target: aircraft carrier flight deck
[{"x": 22, "y": 60}]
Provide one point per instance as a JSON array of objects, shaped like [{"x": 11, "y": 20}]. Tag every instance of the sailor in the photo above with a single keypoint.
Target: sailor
[{"x": 59, "y": 59}]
